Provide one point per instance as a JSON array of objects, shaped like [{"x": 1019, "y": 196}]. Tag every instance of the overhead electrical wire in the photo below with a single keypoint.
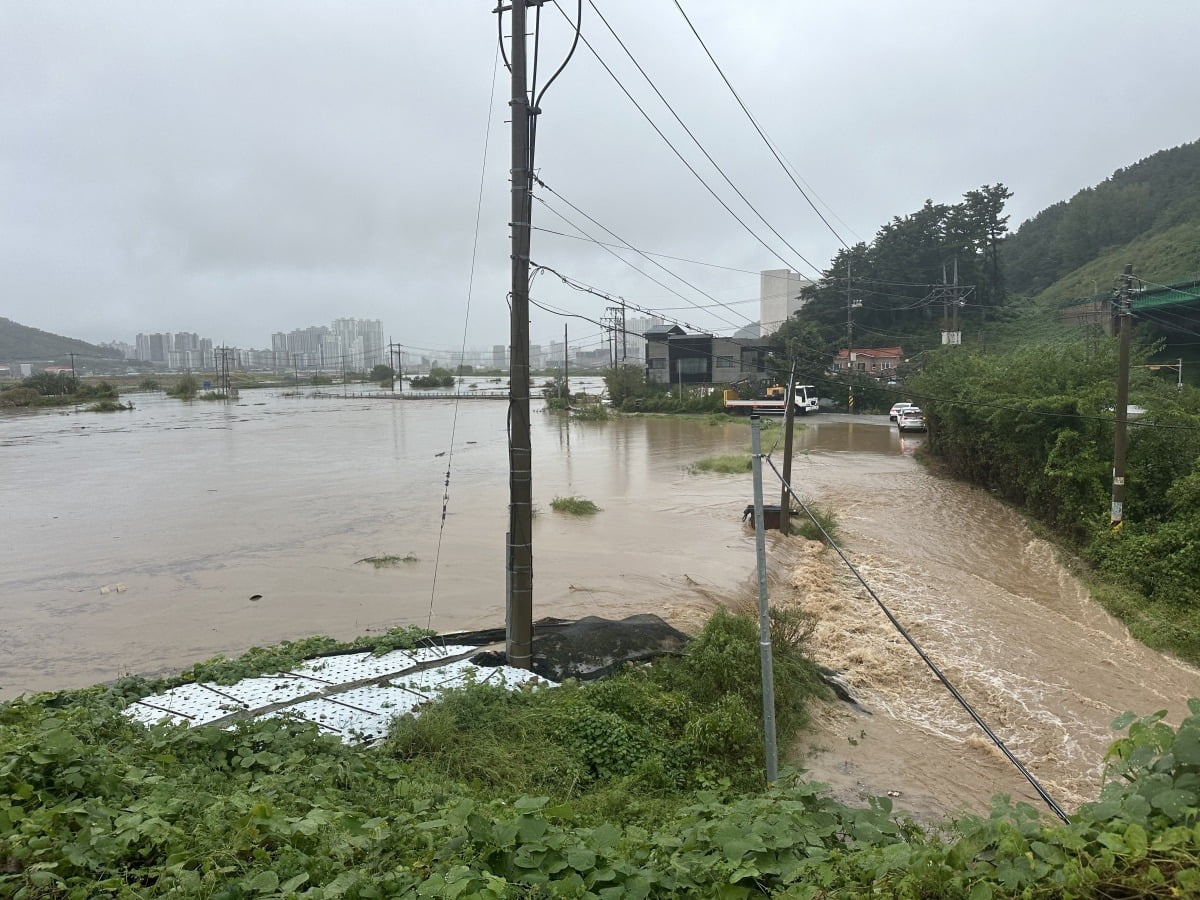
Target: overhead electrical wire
[
  {"x": 466, "y": 320},
  {"x": 635, "y": 250},
  {"x": 1000, "y": 745},
  {"x": 684, "y": 160},
  {"x": 695, "y": 262},
  {"x": 696, "y": 140},
  {"x": 767, "y": 141}
]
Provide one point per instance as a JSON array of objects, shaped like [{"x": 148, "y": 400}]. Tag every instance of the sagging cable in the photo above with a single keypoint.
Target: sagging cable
[{"x": 995, "y": 739}]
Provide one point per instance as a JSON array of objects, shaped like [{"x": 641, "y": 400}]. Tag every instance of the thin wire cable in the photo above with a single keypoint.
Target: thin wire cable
[
  {"x": 696, "y": 141},
  {"x": 695, "y": 262},
  {"x": 683, "y": 159},
  {"x": 635, "y": 250},
  {"x": 1041, "y": 791},
  {"x": 466, "y": 320},
  {"x": 761, "y": 133}
]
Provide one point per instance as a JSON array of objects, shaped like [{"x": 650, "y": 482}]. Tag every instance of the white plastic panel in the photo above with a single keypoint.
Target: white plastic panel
[
  {"x": 358, "y": 715},
  {"x": 199, "y": 704},
  {"x": 354, "y": 725},
  {"x": 255, "y": 693}
]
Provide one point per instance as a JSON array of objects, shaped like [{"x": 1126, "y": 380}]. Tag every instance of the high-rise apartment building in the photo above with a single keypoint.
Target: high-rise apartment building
[{"x": 779, "y": 298}]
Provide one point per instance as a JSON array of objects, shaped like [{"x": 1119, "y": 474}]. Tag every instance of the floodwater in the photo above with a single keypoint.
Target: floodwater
[
  {"x": 143, "y": 541},
  {"x": 137, "y": 542}
]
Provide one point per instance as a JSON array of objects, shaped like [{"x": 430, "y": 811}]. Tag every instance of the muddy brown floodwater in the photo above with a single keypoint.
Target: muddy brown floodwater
[
  {"x": 997, "y": 612},
  {"x": 141, "y": 542}
]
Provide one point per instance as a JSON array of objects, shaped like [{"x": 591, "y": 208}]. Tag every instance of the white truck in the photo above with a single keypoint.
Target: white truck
[{"x": 774, "y": 402}]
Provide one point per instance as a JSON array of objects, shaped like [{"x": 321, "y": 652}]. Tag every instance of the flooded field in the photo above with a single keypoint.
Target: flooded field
[
  {"x": 138, "y": 541},
  {"x": 144, "y": 541}
]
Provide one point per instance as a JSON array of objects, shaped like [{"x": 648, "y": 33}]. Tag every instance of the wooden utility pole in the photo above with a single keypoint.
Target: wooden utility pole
[
  {"x": 519, "y": 602},
  {"x": 1123, "y": 311},
  {"x": 789, "y": 418}
]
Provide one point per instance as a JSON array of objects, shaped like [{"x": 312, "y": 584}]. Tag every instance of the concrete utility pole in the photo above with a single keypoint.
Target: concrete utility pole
[
  {"x": 1123, "y": 311},
  {"x": 73, "y": 379},
  {"x": 519, "y": 603},
  {"x": 849, "y": 336},
  {"x": 766, "y": 659}
]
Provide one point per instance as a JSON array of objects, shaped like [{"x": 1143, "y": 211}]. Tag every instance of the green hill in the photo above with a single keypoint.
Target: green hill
[
  {"x": 20, "y": 343},
  {"x": 1147, "y": 214}
]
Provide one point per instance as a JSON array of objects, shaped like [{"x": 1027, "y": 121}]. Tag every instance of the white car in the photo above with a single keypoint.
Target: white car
[
  {"x": 898, "y": 408},
  {"x": 911, "y": 419}
]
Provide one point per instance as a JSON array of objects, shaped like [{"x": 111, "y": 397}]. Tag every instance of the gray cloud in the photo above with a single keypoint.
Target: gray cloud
[{"x": 237, "y": 169}]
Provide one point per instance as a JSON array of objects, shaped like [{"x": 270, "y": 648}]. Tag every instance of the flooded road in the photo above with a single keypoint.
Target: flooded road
[
  {"x": 137, "y": 543},
  {"x": 997, "y": 612}
]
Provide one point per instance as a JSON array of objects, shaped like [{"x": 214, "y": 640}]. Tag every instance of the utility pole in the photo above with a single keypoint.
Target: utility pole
[
  {"x": 849, "y": 336},
  {"x": 624, "y": 348},
  {"x": 789, "y": 419},
  {"x": 74, "y": 381},
  {"x": 956, "y": 304},
  {"x": 766, "y": 659},
  {"x": 1123, "y": 311},
  {"x": 566, "y": 395},
  {"x": 394, "y": 348},
  {"x": 519, "y": 603}
]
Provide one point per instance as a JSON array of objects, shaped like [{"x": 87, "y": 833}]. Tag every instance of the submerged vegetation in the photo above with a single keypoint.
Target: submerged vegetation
[
  {"x": 388, "y": 561},
  {"x": 734, "y": 464},
  {"x": 61, "y": 389},
  {"x": 574, "y": 506},
  {"x": 647, "y": 784}
]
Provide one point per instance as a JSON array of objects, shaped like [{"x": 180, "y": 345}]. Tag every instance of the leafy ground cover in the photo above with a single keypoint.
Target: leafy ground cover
[{"x": 647, "y": 784}]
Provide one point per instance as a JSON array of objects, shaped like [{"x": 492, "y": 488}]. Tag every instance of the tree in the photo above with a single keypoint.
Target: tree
[
  {"x": 51, "y": 384},
  {"x": 382, "y": 373},
  {"x": 626, "y": 382}
]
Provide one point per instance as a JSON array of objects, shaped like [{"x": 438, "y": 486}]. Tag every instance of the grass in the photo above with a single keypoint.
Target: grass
[
  {"x": 388, "y": 561},
  {"x": 803, "y": 525},
  {"x": 574, "y": 506},
  {"x": 735, "y": 464}
]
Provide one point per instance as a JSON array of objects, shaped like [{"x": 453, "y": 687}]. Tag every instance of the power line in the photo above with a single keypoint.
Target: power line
[
  {"x": 696, "y": 140},
  {"x": 770, "y": 145},
  {"x": 1000, "y": 745},
  {"x": 683, "y": 160},
  {"x": 634, "y": 249}
]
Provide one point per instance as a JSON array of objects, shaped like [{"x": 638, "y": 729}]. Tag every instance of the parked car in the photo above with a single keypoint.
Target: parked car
[
  {"x": 911, "y": 419},
  {"x": 898, "y": 408}
]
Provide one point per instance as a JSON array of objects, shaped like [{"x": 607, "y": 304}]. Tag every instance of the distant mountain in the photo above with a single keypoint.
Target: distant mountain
[
  {"x": 20, "y": 343},
  {"x": 1147, "y": 214}
]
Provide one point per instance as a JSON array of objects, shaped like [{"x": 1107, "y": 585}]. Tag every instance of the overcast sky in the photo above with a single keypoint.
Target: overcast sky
[{"x": 241, "y": 168}]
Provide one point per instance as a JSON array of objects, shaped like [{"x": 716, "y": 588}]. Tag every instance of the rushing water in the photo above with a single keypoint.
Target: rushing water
[{"x": 146, "y": 540}]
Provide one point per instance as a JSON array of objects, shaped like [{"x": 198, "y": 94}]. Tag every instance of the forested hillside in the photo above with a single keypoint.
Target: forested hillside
[
  {"x": 22, "y": 343},
  {"x": 1155, "y": 201},
  {"x": 892, "y": 284},
  {"x": 892, "y": 290}
]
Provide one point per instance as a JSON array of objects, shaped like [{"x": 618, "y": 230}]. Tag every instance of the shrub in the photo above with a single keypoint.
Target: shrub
[
  {"x": 574, "y": 506},
  {"x": 735, "y": 464}
]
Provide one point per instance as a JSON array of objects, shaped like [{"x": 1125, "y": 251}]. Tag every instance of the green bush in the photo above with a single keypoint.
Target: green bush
[
  {"x": 185, "y": 387},
  {"x": 574, "y": 506}
]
